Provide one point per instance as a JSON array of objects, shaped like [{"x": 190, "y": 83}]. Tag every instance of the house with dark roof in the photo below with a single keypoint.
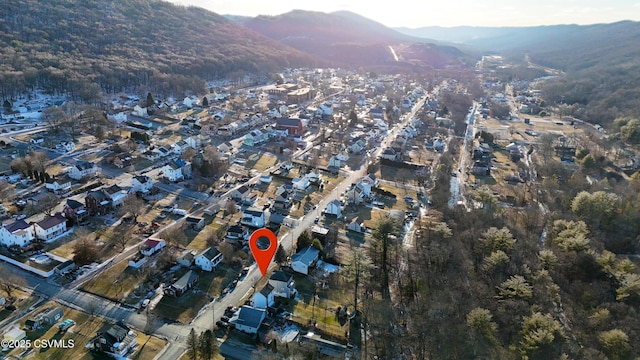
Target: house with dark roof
[
  {"x": 208, "y": 259},
  {"x": 51, "y": 227},
  {"x": 236, "y": 234},
  {"x": 186, "y": 282},
  {"x": 195, "y": 222},
  {"x": 304, "y": 260},
  {"x": 75, "y": 210},
  {"x": 240, "y": 194},
  {"x": 59, "y": 184},
  {"x": 97, "y": 202},
  {"x": 293, "y": 126},
  {"x": 283, "y": 284},
  {"x": 117, "y": 194},
  {"x": 264, "y": 298},
  {"x": 17, "y": 233},
  {"x": 177, "y": 170},
  {"x": 116, "y": 339},
  {"x": 253, "y": 218},
  {"x": 248, "y": 319},
  {"x": 141, "y": 184},
  {"x": 82, "y": 170}
]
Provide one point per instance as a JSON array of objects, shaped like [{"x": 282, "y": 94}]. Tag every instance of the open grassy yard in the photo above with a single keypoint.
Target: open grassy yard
[
  {"x": 115, "y": 283},
  {"x": 261, "y": 162},
  {"x": 199, "y": 239},
  {"x": 182, "y": 309},
  {"x": 85, "y": 329},
  {"x": 392, "y": 173},
  {"x": 321, "y": 309}
]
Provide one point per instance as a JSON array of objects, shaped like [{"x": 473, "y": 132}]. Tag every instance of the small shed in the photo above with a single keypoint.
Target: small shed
[
  {"x": 15, "y": 334},
  {"x": 52, "y": 316}
]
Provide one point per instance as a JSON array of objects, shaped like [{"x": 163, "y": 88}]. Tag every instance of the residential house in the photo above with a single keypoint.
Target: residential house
[
  {"x": 265, "y": 179},
  {"x": 357, "y": 146},
  {"x": 376, "y": 113},
  {"x": 248, "y": 319},
  {"x": 66, "y": 146},
  {"x": 17, "y": 233},
  {"x": 75, "y": 210},
  {"x": 186, "y": 258},
  {"x": 225, "y": 148},
  {"x": 116, "y": 194},
  {"x": 177, "y": 170},
  {"x": 293, "y": 126},
  {"x": 139, "y": 111},
  {"x": 334, "y": 162},
  {"x": 301, "y": 183},
  {"x": 356, "y": 226},
  {"x": 390, "y": 154},
  {"x": 254, "y": 137},
  {"x": 240, "y": 194},
  {"x": 481, "y": 168},
  {"x": 304, "y": 260},
  {"x": 115, "y": 339},
  {"x": 182, "y": 285},
  {"x": 83, "y": 170},
  {"x": 37, "y": 140},
  {"x": 237, "y": 233},
  {"x": 194, "y": 141},
  {"x": 50, "y": 228},
  {"x": 180, "y": 146},
  {"x": 253, "y": 217},
  {"x": 191, "y": 101},
  {"x": 208, "y": 259},
  {"x": 163, "y": 151},
  {"x": 152, "y": 156},
  {"x": 334, "y": 208},
  {"x": 282, "y": 203},
  {"x": 137, "y": 261},
  {"x": 122, "y": 161},
  {"x": 58, "y": 185},
  {"x": 97, "y": 202},
  {"x": 195, "y": 222},
  {"x": 152, "y": 246},
  {"x": 283, "y": 284},
  {"x": 264, "y": 298},
  {"x": 141, "y": 184}
]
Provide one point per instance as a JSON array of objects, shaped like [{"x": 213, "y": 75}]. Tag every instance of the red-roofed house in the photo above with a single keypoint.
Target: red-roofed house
[
  {"x": 152, "y": 246},
  {"x": 51, "y": 227}
]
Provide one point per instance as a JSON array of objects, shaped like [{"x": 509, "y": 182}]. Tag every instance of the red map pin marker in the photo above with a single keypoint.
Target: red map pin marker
[{"x": 263, "y": 257}]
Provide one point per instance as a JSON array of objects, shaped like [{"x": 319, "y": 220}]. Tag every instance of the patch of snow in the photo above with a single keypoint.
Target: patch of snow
[{"x": 327, "y": 268}]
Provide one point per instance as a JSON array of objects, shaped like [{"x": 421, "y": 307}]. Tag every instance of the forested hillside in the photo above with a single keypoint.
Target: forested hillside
[{"x": 82, "y": 47}]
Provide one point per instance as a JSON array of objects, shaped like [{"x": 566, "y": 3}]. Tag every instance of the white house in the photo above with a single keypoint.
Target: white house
[
  {"x": 180, "y": 146},
  {"x": 208, "y": 259},
  {"x": 264, "y": 298},
  {"x": 142, "y": 184},
  {"x": 304, "y": 260},
  {"x": 17, "y": 233},
  {"x": 177, "y": 170},
  {"x": 301, "y": 183},
  {"x": 50, "y": 228},
  {"x": 253, "y": 217},
  {"x": 194, "y": 141},
  {"x": 191, "y": 101},
  {"x": 335, "y": 162},
  {"x": 66, "y": 146},
  {"x": 137, "y": 261},
  {"x": 139, "y": 111},
  {"x": 326, "y": 109},
  {"x": 254, "y": 137},
  {"x": 58, "y": 185},
  {"x": 151, "y": 155},
  {"x": 334, "y": 208},
  {"x": 248, "y": 319},
  {"x": 152, "y": 246},
  {"x": 356, "y": 226},
  {"x": 117, "y": 194},
  {"x": 283, "y": 284},
  {"x": 83, "y": 169}
]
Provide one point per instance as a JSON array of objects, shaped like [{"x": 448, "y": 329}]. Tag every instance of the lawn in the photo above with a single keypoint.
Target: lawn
[
  {"x": 199, "y": 241},
  {"x": 321, "y": 309},
  {"x": 392, "y": 173},
  {"x": 85, "y": 329},
  {"x": 182, "y": 309},
  {"x": 114, "y": 283},
  {"x": 261, "y": 162}
]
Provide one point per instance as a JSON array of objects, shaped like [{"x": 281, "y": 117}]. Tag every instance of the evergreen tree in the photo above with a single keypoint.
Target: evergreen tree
[
  {"x": 205, "y": 101},
  {"x": 150, "y": 99},
  {"x": 208, "y": 345},
  {"x": 304, "y": 240},
  {"x": 192, "y": 345},
  {"x": 7, "y": 105},
  {"x": 281, "y": 255}
]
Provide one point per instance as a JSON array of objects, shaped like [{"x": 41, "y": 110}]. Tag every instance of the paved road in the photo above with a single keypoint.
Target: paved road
[{"x": 457, "y": 182}]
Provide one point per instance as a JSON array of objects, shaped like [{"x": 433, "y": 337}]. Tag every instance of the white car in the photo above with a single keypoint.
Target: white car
[{"x": 145, "y": 303}]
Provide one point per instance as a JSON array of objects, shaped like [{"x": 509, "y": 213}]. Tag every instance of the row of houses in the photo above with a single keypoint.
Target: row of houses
[{"x": 21, "y": 233}]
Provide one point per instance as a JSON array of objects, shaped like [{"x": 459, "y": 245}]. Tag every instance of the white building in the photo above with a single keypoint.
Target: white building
[
  {"x": 17, "y": 233},
  {"x": 334, "y": 208},
  {"x": 264, "y": 298},
  {"x": 249, "y": 319},
  {"x": 82, "y": 169},
  {"x": 283, "y": 284},
  {"x": 253, "y": 217},
  {"x": 50, "y": 228},
  {"x": 142, "y": 184},
  {"x": 208, "y": 259},
  {"x": 58, "y": 185},
  {"x": 304, "y": 260}
]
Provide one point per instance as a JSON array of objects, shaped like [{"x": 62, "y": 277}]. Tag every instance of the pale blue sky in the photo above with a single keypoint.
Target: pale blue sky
[{"x": 416, "y": 13}]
